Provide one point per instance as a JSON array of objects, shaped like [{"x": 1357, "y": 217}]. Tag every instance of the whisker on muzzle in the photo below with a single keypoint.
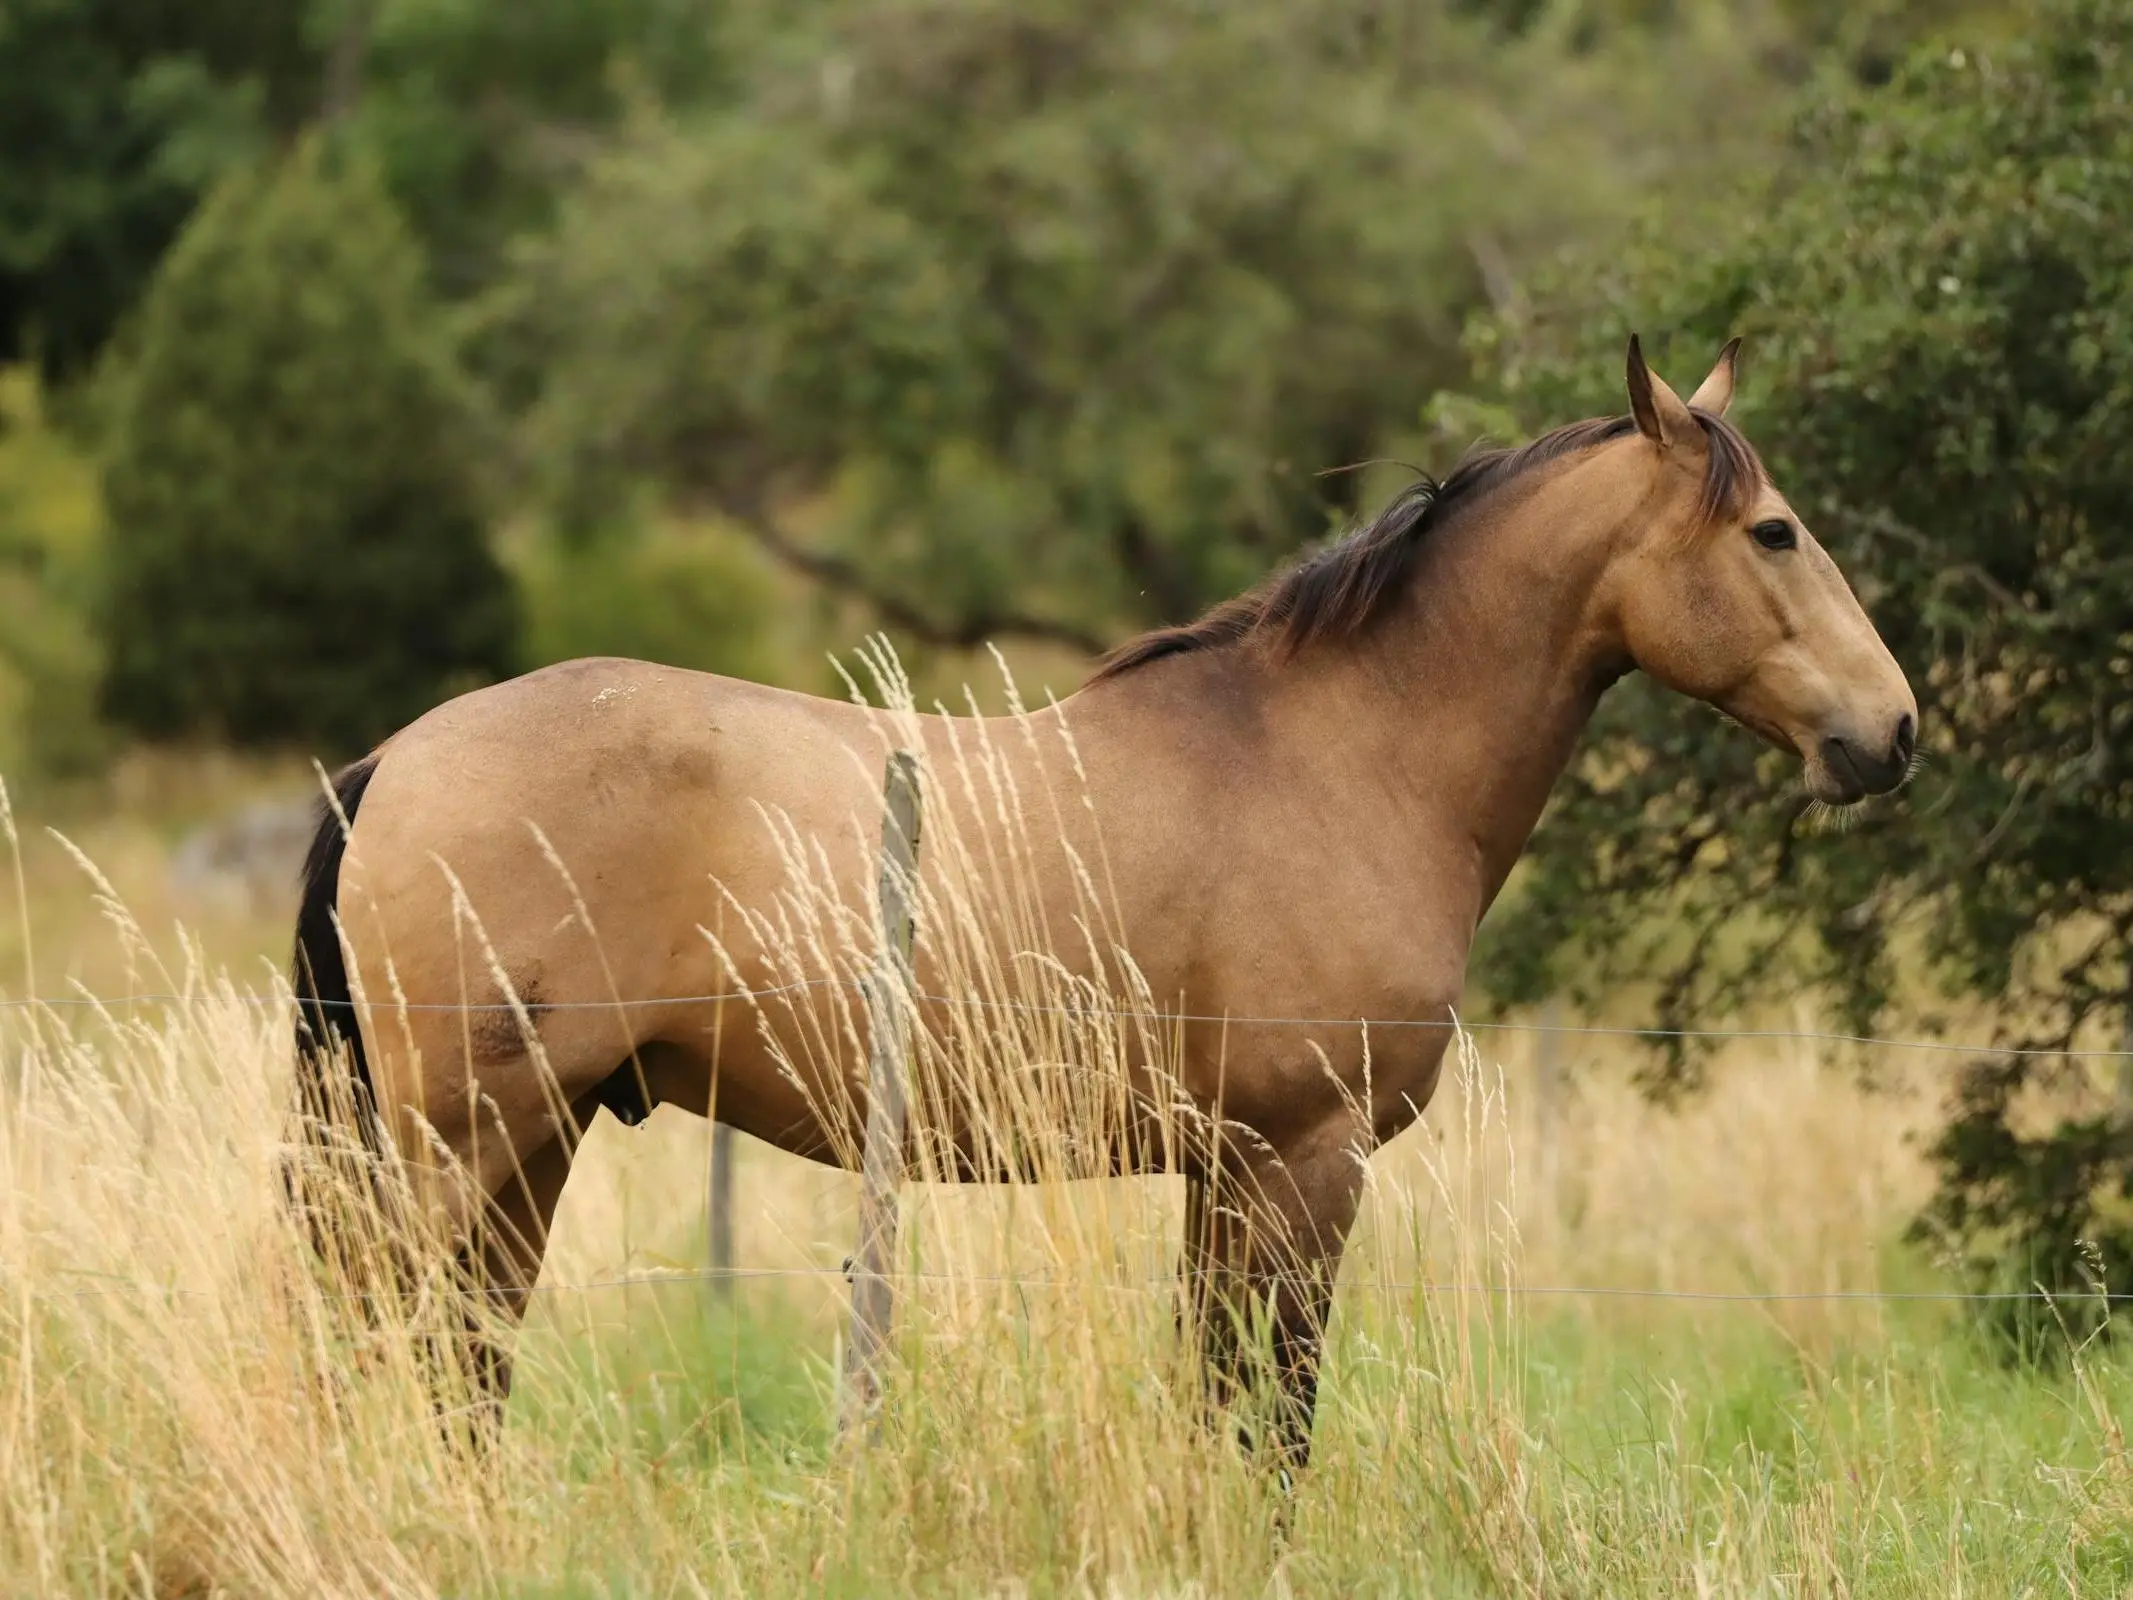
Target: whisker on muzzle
[{"x": 1821, "y": 817}]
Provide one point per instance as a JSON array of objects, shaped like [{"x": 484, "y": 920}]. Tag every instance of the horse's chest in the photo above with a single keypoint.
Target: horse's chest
[
  {"x": 1386, "y": 949},
  {"x": 1325, "y": 966}
]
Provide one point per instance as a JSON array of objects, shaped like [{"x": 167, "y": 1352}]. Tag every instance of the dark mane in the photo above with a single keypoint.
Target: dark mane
[{"x": 1338, "y": 590}]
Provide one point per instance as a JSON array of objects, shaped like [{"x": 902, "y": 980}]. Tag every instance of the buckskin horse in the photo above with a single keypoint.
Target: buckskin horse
[{"x": 1309, "y": 798}]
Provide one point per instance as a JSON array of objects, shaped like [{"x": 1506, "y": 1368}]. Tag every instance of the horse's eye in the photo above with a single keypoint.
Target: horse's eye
[{"x": 1776, "y": 534}]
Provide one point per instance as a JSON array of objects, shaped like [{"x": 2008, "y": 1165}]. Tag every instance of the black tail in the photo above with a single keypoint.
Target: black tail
[
  {"x": 326, "y": 1029},
  {"x": 364, "y": 1246}
]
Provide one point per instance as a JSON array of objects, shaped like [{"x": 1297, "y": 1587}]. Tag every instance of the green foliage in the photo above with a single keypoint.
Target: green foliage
[
  {"x": 687, "y": 598},
  {"x": 1939, "y": 323},
  {"x": 1864, "y": 38},
  {"x": 477, "y": 111},
  {"x": 1056, "y": 315},
  {"x": 51, "y": 523},
  {"x": 296, "y": 550},
  {"x": 115, "y": 117},
  {"x": 2027, "y": 1207},
  {"x": 118, "y": 116}
]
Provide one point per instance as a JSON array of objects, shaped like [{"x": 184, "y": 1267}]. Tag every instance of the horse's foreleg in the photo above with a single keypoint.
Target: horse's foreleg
[{"x": 1263, "y": 1241}]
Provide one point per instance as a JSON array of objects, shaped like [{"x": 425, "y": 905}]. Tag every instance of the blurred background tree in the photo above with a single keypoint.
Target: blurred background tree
[
  {"x": 480, "y": 113},
  {"x": 117, "y": 117},
  {"x": 1936, "y": 296},
  {"x": 298, "y": 550},
  {"x": 690, "y": 597},
  {"x": 1051, "y": 318},
  {"x": 51, "y": 654}
]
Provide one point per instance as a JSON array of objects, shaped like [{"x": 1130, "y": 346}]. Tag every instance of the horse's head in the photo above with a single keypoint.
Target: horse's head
[{"x": 1724, "y": 595}]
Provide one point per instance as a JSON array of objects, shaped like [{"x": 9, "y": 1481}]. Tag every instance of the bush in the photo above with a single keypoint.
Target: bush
[
  {"x": 686, "y": 599},
  {"x": 297, "y": 548},
  {"x": 50, "y": 526},
  {"x": 1939, "y": 323}
]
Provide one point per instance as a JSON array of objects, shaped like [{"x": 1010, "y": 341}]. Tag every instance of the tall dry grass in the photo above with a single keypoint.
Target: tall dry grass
[
  {"x": 192, "y": 1403},
  {"x": 185, "y": 1407}
]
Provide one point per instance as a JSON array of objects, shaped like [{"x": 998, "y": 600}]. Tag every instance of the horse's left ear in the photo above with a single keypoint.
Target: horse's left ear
[
  {"x": 1715, "y": 393},
  {"x": 1661, "y": 417}
]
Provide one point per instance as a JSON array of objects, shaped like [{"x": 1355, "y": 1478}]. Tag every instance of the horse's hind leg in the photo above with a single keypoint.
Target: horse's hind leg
[
  {"x": 1264, "y": 1234},
  {"x": 512, "y": 1236}
]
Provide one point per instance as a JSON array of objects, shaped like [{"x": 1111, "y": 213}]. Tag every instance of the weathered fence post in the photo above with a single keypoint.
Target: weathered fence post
[
  {"x": 889, "y": 1025},
  {"x": 1547, "y": 1097},
  {"x": 721, "y": 1212}
]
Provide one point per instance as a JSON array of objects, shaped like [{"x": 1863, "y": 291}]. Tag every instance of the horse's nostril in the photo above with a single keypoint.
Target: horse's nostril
[{"x": 1906, "y": 739}]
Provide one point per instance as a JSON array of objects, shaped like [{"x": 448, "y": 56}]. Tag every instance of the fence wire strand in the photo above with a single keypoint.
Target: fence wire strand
[
  {"x": 112, "y": 1003},
  {"x": 1168, "y": 1286}
]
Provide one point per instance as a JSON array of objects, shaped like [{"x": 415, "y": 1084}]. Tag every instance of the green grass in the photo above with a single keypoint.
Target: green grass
[
  {"x": 1665, "y": 1447},
  {"x": 188, "y": 1408},
  {"x": 689, "y": 1381}
]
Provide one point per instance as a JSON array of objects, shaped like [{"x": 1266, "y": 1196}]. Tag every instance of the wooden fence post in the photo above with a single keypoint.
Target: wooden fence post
[
  {"x": 889, "y": 1003},
  {"x": 721, "y": 1212},
  {"x": 1547, "y": 1106}
]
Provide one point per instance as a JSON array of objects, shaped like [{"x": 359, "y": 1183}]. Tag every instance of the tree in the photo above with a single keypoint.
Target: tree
[
  {"x": 51, "y": 527},
  {"x": 685, "y": 598},
  {"x": 297, "y": 550},
  {"x": 1864, "y": 38},
  {"x": 116, "y": 117},
  {"x": 1938, "y": 305},
  {"x": 1046, "y": 318},
  {"x": 479, "y": 112}
]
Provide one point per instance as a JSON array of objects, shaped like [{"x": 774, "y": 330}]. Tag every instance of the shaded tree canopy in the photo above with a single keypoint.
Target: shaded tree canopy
[
  {"x": 116, "y": 116},
  {"x": 479, "y": 112},
  {"x": 1049, "y": 318},
  {"x": 1939, "y": 370}
]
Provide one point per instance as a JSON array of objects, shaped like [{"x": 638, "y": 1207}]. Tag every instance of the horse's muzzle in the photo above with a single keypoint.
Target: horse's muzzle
[{"x": 1855, "y": 771}]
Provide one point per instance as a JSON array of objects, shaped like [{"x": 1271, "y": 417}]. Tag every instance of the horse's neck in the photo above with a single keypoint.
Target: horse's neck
[{"x": 1470, "y": 698}]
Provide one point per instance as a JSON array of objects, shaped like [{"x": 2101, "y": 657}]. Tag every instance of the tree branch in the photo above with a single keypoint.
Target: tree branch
[
  {"x": 845, "y": 576},
  {"x": 344, "y": 62},
  {"x": 1876, "y": 520}
]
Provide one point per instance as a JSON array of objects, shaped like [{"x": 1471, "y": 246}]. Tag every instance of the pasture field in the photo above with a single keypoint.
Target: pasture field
[{"x": 189, "y": 1407}]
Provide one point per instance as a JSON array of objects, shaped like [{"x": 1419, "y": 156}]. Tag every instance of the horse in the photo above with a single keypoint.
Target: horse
[{"x": 1309, "y": 798}]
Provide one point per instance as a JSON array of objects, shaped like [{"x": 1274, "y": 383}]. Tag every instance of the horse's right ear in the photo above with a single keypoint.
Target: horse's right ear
[
  {"x": 1661, "y": 417},
  {"x": 1715, "y": 393}
]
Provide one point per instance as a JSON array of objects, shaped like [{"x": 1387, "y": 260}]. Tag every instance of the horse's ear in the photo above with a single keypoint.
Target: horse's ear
[
  {"x": 1661, "y": 417},
  {"x": 1715, "y": 393}
]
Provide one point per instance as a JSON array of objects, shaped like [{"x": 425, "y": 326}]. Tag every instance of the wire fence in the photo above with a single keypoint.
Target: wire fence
[
  {"x": 1168, "y": 1286},
  {"x": 1404, "y": 1287},
  {"x": 1149, "y": 1015}
]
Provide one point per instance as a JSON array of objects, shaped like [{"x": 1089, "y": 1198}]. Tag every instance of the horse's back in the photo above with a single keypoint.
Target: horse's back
[{"x": 600, "y": 756}]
